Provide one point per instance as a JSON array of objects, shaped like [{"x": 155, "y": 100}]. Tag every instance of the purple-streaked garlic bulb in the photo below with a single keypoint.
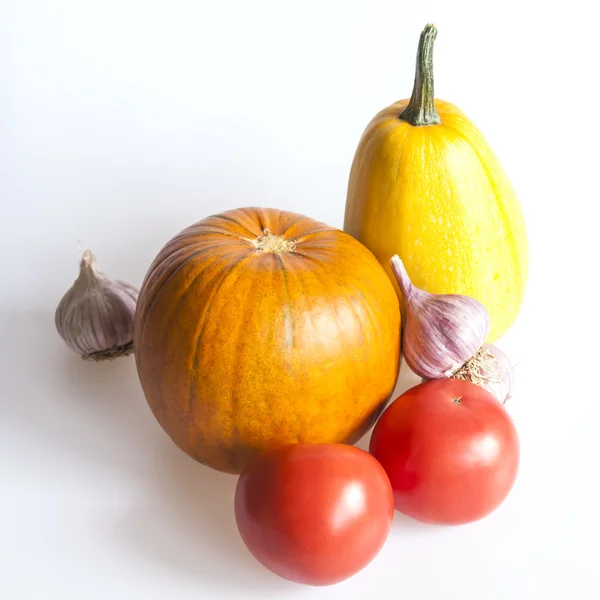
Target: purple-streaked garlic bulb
[
  {"x": 95, "y": 316},
  {"x": 442, "y": 331}
]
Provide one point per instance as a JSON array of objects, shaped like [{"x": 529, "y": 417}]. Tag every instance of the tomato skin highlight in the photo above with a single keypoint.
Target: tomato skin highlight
[
  {"x": 450, "y": 449},
  {"x": 314, "y": 513}
]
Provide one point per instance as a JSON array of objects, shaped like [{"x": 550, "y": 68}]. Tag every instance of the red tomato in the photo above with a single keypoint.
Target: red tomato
[
  {"x": 314, "y": 513},
  {"x": 450, "y": 449}
]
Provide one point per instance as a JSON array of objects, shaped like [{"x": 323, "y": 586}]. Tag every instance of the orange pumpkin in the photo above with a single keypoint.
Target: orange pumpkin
[{"x": 259, "y": 327}]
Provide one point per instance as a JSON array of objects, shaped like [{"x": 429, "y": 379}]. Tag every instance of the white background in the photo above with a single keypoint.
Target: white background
[{"x": 121, "y": 122}]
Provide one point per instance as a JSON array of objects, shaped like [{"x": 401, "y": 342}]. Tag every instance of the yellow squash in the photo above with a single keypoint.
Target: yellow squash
[{"x": 426, "y": 185}]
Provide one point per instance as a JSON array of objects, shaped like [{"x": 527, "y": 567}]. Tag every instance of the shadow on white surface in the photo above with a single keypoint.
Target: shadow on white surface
[
  {"x": 87, "y": 428},
  {"x": 187, "y": 525}
]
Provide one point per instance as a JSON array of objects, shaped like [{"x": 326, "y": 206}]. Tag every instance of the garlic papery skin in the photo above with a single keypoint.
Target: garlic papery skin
[
  {"x": 491, "y": 369},
  {"x": 442, "y": 331},
  {"x": 95, "y": 316}
]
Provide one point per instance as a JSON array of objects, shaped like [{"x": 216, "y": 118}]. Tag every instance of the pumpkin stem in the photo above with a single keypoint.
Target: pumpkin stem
[
  {"x": 273, "y": 244},
  {"x": 421, "y": 107}
]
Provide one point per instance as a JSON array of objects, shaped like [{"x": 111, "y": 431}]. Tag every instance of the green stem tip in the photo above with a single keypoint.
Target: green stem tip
[{"x": 421, "y": 107}]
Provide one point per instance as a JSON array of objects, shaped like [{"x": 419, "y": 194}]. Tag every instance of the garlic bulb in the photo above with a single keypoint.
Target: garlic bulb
[
  {"x": 95, "y": 316},
  {"x": 491, "y": 369},
  {"x": 442, "y": 331}
]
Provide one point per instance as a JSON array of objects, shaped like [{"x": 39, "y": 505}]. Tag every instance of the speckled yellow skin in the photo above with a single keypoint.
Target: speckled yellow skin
[
  {"x": 438, "y": 197},
  {"x": 239, "y": 350}
]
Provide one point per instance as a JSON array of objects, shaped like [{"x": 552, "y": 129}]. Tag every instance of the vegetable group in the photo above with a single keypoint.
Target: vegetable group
[
  {"x": 450, "y": 450},
  {"x": 267, "y": 343},
  {"x": 314, "y": 513},
  {"x": 259, "y": 327},
  {"x": 425, "y": 185}
]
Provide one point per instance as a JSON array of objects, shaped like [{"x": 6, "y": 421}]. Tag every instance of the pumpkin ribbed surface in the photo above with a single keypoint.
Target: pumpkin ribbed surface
[{"x": 259, "y": 327}]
